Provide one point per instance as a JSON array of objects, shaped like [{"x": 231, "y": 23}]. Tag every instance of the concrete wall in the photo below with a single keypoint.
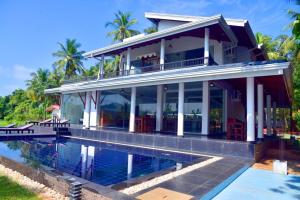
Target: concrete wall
[{"x": 164, "y": 24}]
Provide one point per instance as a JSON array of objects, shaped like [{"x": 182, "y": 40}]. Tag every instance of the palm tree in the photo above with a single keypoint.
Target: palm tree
[
  {"x": 38, "y": 83},
  {"x": 295, "y": 25},
  {"x": 70, "y": 58},
  {"x": 151, "y": 29},
  {"x": 121, "y": 26}
]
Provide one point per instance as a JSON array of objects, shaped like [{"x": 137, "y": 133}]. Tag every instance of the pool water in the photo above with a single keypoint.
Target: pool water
[{"x": 102, "y": 163}]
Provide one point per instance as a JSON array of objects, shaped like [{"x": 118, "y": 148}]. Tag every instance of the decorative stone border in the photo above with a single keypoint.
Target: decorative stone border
[{"x": 38, "y": 188}]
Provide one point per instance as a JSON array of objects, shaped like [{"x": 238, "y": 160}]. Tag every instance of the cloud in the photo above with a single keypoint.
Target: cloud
[
  {"x": 13, "y": 77},
  {"x": 20, "y": 72}
]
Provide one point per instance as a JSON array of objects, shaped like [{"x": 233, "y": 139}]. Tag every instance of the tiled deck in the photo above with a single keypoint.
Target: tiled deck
[
  {"x": 199, "y": 182},
  {"x": 260, "y": 185}
]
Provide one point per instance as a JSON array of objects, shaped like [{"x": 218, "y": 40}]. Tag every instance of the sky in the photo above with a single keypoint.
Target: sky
[{"x": 31, "y": 29}]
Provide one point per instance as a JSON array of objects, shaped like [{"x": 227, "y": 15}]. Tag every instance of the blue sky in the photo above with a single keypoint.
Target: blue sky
[{"x": 30, "y": 30}]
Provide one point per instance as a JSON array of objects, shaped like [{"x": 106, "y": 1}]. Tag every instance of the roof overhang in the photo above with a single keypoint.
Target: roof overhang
[
  {"x": 240, "y": 26},
  {"x": 155, "y": 37},
  {"x": 201, "y": 73}
]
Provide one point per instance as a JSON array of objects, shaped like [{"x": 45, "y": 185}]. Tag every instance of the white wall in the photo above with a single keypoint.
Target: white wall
[{"x": 164, "y": 24}]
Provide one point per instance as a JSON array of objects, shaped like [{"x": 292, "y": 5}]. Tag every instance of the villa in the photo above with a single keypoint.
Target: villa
[{"x": 202, "y": 79}]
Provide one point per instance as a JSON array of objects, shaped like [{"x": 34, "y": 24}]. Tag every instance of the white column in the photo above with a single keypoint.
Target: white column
[
  {"x": 206, "y": 46},
  {"x": 162, "y": 53},
  {"x": 129, "y": 165},
  {"x": 180, "y": 124},
  {"x": 93, "y": 111},
  {"x": 128, "y": 60},
  {"x": 159, "y": 99},
  {"x": 250, "y": 110},
  {"x": 87, "y": 110},
  {"x": 225, "y": 110},
  {"x": 132, "y": 110},
  {"x": 102, "y": 66},
  {"x": 61, "y": 99},
  {"x": 269, "y": 131},
  {"x": 274, "y": 117},
  {"x": 260, "y": 111},
  {"x": 205, "y": 108}
]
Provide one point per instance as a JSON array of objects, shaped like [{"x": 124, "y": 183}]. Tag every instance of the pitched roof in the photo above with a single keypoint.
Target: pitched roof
[{"x": 217, "y": 19}]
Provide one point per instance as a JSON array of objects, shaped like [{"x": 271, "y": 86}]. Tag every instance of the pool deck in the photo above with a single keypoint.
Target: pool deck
[
  {"x": 262, "y": 184},
  {"x": 203, "y": 182}
]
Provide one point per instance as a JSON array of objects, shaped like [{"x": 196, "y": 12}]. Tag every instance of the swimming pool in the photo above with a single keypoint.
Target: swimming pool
[{"x": 102, "y": 163}]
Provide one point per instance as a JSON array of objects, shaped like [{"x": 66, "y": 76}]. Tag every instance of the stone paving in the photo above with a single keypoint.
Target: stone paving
[{"x": 200, "y": 181}]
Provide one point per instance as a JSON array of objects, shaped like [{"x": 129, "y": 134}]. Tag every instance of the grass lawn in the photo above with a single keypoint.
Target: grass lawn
[{"x": 10, "y": 190}]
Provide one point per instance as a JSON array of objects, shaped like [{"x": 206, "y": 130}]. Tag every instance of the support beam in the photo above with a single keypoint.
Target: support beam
[
  {"x": 128, "y": 61},
  {"x": 225, "y": 110},
  {"x": 205, "y": 108},
  {"x": 269, "y": 121},
  {"x": 132, "y": 110},
  {"x": 162, "y": 54},
  {"x": 250, "y": 110},
  {"x": 206, "y": 46},
  {"x": 101, "y": 67},
  {"x": 87, "y": 110},
  {"x": 274, "y": 117},
  {"x": 159, "y": 107},
  {"x": 260, "y": 111},
  {"x": 93, "y": 110},
  {"x": 180, "y": 124}
]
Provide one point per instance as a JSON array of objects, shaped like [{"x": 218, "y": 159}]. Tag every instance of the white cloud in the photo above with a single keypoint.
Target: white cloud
[
  {"x": 20, "y": 72},
  {"x": 13, "y": 77}
]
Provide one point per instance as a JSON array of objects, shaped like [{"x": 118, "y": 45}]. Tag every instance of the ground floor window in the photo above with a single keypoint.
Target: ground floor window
[
  {"x": 193, "y": 107},
  {"x": 73, "y": 107},
  {"x": 145, "y": 109},
  {"x": 115, "y": 108},
  {"x": 216, "y": 109}
]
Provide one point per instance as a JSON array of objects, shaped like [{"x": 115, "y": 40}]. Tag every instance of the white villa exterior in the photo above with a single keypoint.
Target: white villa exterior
[{"x": 199, "y": 76}]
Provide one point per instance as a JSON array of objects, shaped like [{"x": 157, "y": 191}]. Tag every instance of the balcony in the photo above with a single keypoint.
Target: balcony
[{"x": 141, "y": 70}]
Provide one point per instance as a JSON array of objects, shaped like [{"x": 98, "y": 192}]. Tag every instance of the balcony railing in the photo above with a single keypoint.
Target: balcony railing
[{"x": 140, "y": 70}]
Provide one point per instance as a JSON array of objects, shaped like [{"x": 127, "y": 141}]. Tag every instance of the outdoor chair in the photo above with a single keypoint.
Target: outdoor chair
[{"x": 20, "y": 129}]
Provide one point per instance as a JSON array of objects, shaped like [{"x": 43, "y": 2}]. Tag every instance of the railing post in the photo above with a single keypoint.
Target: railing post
[
  {"x": 128, "y": 60},
  {"x": 162, "y": 53},
  {"x": 206, "y": 46}
]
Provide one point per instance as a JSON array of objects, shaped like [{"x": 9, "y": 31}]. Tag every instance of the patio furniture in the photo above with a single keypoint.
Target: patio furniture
[
  {"x": 20, "y": 129},
  {"x": 57, "y": 123},
  {"x": 8, "y": 126},
  {"x": 45, "y": 121},
  {"x": 236, "y": 130}
]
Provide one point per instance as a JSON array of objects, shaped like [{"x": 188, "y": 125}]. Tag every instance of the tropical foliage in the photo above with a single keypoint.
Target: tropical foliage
[
  {"x": 70, "y": 58},
  {"x": 122, "y": 26}
]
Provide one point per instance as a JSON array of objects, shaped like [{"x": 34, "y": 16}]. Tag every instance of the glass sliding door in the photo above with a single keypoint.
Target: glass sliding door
[
  {"x": 193, "y": 107},
  {"x": 216, "y": 110},
  {"x": 145, "y": 109},
  {"x": 115, "y": 108},
  {"x": 170, "y": 108},
  {"x": 73, "y": 107}
]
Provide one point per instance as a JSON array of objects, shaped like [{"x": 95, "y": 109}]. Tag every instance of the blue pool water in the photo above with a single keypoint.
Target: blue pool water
[{"x": 102, "y": 163}]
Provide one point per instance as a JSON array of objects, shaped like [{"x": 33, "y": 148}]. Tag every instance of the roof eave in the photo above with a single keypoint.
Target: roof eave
[{"x": 157, "y": 35}]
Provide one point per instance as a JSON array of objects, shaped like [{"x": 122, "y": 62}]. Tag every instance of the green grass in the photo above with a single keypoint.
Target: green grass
[{"x": 10, "y": 190}]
